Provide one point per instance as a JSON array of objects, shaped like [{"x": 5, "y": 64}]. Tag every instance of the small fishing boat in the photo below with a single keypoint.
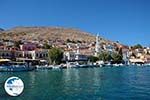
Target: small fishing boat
[
  {"x": 43, "y": 67},
  {"x": 72, "y": 65}
]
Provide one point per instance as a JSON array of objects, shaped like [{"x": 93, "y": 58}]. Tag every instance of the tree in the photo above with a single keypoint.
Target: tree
[
  {"x": 78, "y": 41},
  {"x": 93, "y": 59},
  {"x": 71, "y": 41},
  {"x": 113, "y": 57},
  {"x": 120, "y": 51},
  {"x": 116, "y": 57},
  {"x": 105, "y": 56},
  {"x": 68, "y": 41},
  {"x": 133, "y": 54},
  {"x": 17, "y": 43},
  {"x": 47, "y": 46},
  {"x": 55, "y": 56},
  {"x": 137, "y": 46}
]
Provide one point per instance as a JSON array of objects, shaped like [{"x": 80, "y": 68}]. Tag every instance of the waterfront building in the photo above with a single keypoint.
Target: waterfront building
[
  {"x": 69, "y": 56},
  {"x": 148, "y": 50},
  {"x": 28, "y": 47},
  {"x": 125, "y": 54},
  {"x": 110, "y": 48},
  {"x": 6, "y": 54},
  {"x": 35, "y": 54},
  {"x": 75, "y": 55},
  {"x": 137, "y": 61},
  {"x": 8, "y": 43},
  {"x": 147, "y": 58},
  {"x": 72, "y": 56}
]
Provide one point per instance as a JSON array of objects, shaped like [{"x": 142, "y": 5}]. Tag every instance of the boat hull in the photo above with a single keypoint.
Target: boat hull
[{"x": 15, "y": 69}]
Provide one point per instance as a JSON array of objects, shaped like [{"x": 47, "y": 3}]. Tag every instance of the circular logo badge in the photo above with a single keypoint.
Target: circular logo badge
[{"x": 14, "y": 86}]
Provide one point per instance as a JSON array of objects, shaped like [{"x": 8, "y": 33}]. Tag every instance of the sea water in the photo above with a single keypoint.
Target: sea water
[{"x": 105, "y": 83}]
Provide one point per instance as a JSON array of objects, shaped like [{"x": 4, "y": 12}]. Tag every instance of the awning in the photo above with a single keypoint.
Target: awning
[
  {"x": 4, "y": 60},
  {"x": 136, "y": 60}
]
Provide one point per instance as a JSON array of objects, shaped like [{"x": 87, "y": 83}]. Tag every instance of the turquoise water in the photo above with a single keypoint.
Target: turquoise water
[{"x": 114, "y": 83}]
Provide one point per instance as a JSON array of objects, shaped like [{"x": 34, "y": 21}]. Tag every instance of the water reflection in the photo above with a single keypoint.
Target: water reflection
[
  {"x": 32, "y": 79},
  {"x": 97, "y": 77},
  {"x": 71, "y": 79}
]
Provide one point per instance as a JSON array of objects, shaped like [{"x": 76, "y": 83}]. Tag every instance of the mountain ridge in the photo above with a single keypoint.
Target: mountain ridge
[{"x": 47, "y": 33}]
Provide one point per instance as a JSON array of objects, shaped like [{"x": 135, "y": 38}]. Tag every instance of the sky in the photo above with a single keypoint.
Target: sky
[{"x": 126, "y": 21}]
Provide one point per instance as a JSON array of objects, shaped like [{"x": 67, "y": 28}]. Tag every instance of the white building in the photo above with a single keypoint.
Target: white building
[
  {"x": 73, "y": 56},
  {"x": 109, "y": 48},
  {"x": 126, "y": 55},
  {"x": 35, "y": 54},
  {"x": 97, "y": 46}
]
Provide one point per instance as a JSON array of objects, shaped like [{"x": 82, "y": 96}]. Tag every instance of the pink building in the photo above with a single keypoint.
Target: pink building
[{"x": 28, "y": 47}]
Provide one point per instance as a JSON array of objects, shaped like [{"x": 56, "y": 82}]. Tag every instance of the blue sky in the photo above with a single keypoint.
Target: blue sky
[{"x": 127, "y": 21}]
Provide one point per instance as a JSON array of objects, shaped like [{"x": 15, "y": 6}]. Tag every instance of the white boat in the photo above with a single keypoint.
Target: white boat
[
  {"x": 83, "y": 66},
  {"x": 147, "y": 64},
  {"x": 72, "y": 65},
  {"x": 116, "y": 65},
  {"x": 56, "y": 66},
  {"x": 43, "y": 67}
]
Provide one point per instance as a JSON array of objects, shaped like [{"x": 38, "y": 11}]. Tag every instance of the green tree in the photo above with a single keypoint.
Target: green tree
[
  {"x": 47, "y": 46},
  {"x": 133, "y": 54},
  {"x": 17, "y": 43},
  {"x": 55, "y": 55},
  {"x": 71, "y": 41},
  {"x": 137, "y": 46},
  {"x": 78, "y": 41},
  {"x": 93, "y": 59},
  {"x": 120, "y": 52},
  {"x": 116, "y": 57},
  {"x": 68, "y": 40},
  {"x": 105, "y": 56}
]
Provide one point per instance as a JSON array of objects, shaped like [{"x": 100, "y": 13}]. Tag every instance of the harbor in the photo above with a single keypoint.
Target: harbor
[
  {"x": 29, "y": 55},
  {"x": 7, "y": 65}
]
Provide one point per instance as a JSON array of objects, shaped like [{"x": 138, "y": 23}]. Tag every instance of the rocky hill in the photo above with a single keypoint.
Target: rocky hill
[
  {"x": 49, "y": 33},
  {"x": 46, "y": 33}
]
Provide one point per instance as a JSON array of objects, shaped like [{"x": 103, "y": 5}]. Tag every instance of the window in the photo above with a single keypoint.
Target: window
[{"x": 37, "y": 55}]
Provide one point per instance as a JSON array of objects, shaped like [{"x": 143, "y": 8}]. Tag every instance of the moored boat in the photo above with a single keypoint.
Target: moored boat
[{"x": 43, "y": 67}]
